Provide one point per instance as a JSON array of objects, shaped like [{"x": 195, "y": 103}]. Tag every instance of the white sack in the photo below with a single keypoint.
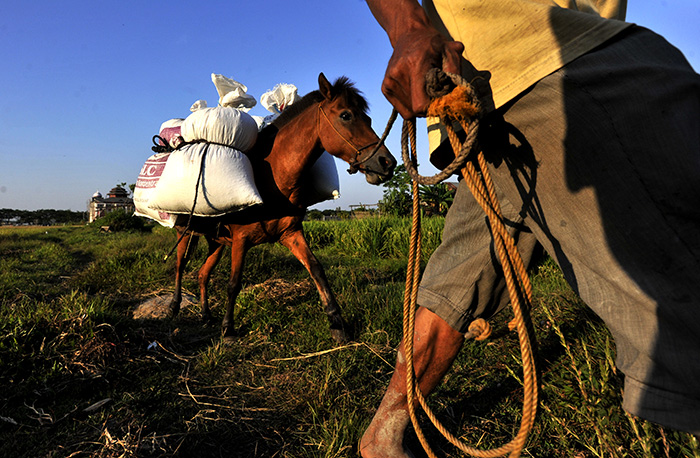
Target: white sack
[
  {"x": 227, "y": 182},
  {"x": 279, "y": 97},
  {"x": 323, "y": 180},
  {"x": 145, "y": 187},
  {"x": 276, "y": 100},
  {"x": 223, "y": 125},
  {"x": 232, "y": 93}
]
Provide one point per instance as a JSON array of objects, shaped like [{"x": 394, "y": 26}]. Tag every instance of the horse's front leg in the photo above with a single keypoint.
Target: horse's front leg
[
  {"x": 185, "y": 248},
  {"x": 238, "y": 251},
  {"x": 299, "y": 247},
  {"x": 213, "y": 257}
]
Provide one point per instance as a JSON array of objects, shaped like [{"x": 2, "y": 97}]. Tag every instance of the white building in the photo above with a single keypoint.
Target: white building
[{"x": 117, "y": 198}]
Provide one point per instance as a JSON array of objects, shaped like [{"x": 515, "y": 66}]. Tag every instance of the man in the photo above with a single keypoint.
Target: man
[{"x": 593, "y": 139}]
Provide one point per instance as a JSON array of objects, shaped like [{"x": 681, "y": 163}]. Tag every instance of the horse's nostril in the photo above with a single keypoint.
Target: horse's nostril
[{"x": 387, "y": 162}]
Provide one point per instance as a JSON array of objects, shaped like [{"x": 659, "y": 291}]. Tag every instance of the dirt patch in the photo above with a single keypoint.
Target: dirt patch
[
  {"x": 274, "y": 289},
  {"x": 156, "y": 308},
  {"x": 279, "y": 290}
]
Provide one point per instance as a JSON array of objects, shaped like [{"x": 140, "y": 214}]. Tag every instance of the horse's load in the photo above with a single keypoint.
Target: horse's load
[
  {"x": 170, "y": 132},
  {"x": 222, "y": 177},
  {"x": 206, "y": 158},
  {"x": 200, "y": 165},
  {"x": 145, "y": 187},
  {"x": 279, "y": 97},
  {"x": 169, "y": 138},
  {"x": 323, "y": 183},
  {"x": 232, "y": 93},
  {"x": 222, "y": 125}
]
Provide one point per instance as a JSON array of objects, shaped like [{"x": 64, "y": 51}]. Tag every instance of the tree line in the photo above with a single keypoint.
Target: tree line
[
  {"x": 397, "y": 199},
  {"x": 44, "y": 217}
]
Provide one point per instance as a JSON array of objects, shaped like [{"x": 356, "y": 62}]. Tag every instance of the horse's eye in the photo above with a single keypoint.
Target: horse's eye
[{"x": 346, "y": 115}]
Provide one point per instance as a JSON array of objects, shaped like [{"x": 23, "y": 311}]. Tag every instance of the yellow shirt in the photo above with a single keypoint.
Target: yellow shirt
[{"x": 512, "y": 44}]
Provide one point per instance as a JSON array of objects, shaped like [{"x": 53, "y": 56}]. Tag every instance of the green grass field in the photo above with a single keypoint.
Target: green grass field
[{"x": 80, "y": 377}]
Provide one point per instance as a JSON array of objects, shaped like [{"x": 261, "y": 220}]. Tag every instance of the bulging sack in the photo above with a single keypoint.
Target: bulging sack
[
  {"x": 226, "y": 184},
  {"x": 232, "y": 93},
  {"x": 145, "y": 187},
  {"x": 223, "y": 125},
  {"x": 323, "y": 181}
]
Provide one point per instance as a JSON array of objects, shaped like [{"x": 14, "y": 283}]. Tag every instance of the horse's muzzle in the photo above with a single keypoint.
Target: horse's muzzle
[{"x": 380, "y": 167}]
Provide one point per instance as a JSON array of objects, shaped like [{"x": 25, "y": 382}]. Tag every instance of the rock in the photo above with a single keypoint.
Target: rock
[{"x": 156, "y": 308}]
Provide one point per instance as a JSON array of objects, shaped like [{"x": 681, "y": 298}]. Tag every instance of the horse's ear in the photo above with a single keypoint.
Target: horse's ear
[{"x": 325, "y": 87}]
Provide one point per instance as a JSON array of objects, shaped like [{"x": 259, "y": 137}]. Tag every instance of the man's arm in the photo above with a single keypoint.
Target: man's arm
[{"x": 418, "y": 47}]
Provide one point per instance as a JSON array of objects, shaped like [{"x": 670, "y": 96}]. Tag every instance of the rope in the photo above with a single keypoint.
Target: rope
[
  {"x": 471, "y": 128},
  {"x": 478, "y": 178},
  {"x": 163, "y": 147},
  {"x": 392, "y": 118}
]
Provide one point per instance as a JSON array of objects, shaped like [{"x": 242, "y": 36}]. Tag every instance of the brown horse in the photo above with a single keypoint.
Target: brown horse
[{"x": 333, "y": 119}]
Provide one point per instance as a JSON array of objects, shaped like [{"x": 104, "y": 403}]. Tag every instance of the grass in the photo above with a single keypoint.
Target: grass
[{"x": 83, "y": 378}]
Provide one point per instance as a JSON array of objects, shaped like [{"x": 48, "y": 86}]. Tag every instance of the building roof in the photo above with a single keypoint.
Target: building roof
[
  {"x": 117, "y": 191},
  {"x": 116, "y": 195}
]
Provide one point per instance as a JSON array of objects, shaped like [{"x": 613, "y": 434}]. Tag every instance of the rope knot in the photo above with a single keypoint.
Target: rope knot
[
  {"x": 479, "y": 329},
  {"x": 457, "y": 105},
  {"x": 452, "y": 97},
  {"x": 162, "y": 147}
]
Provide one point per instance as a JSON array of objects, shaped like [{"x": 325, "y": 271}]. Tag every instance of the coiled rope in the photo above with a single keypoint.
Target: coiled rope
[{"x": 450, "y": 92}]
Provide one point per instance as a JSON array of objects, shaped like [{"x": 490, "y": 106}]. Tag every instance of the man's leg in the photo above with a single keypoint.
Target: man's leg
[
  {"x": 436, "y": 346},
  {"x": 460, "y": 283}
]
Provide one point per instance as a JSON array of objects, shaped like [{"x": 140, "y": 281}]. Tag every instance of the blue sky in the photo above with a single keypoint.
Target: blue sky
[{"x": 84, "y": 85}]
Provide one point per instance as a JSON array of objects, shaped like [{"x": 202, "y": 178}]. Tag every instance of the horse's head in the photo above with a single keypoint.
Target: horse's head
[{"x": 345, "y": 131}]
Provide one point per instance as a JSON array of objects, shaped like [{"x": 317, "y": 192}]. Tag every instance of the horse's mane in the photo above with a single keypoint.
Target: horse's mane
[{"x": 342, "y": 87}]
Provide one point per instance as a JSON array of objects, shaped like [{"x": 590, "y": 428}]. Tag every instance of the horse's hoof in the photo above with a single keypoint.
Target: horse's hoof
[
  {"x": 340, "y": 336},
  {"x": 173, "y": 310},
  {"x": 229, "y": 340},
  {"x": 207, "y": 318},
  {"x": 228, "y": 333}
]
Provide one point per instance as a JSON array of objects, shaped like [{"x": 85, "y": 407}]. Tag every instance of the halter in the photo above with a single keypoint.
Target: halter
[{"x": 358, "y": 161}]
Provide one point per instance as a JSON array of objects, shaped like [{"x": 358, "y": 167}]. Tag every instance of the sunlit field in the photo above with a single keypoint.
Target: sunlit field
[{"x": 81, "y": 377}]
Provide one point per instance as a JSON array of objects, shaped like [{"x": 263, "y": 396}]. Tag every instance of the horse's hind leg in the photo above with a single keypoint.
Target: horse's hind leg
[
  {"x": 300, "y": 249},
  {"x": 185, "y": 248},
  {"x": 238, "y": 252},
  {"x": 213, "y": 257}
]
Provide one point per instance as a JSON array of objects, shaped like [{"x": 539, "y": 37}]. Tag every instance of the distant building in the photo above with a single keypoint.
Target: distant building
[
  {"x": 117, "y": 198},
  {"x": 363, "y": 211}
]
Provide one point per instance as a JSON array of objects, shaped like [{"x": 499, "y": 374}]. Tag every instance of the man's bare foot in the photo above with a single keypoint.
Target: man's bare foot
[
  {"x": 384, "y": 436},
  {"x": 435, "y": 346}
]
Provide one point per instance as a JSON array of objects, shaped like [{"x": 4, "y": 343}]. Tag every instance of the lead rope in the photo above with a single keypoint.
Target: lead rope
[{"x": 478, "y": 179}]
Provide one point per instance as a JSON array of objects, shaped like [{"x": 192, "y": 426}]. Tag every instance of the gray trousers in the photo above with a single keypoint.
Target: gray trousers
[{"x": 599, "y": 164}]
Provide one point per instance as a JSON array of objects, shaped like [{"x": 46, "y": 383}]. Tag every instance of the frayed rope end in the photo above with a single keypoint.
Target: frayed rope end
[{"x": 457, "y": 105}]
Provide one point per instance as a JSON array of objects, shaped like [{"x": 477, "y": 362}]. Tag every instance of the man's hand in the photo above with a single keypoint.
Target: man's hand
[{"x": 418, "y": 47}]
